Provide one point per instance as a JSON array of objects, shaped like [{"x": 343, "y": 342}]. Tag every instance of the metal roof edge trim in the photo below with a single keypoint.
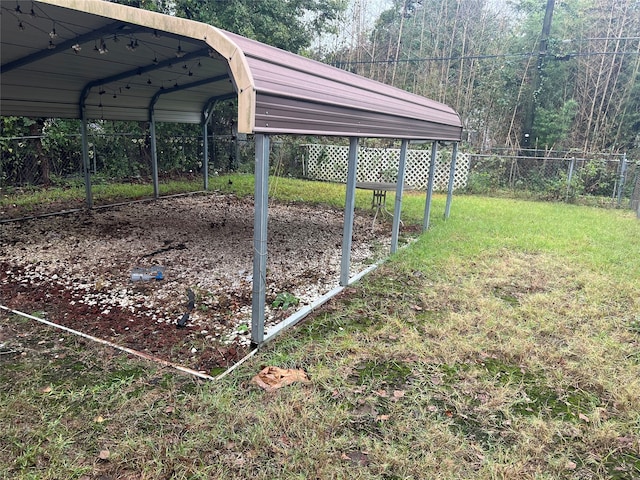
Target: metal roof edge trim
[
  {"x": 324, "y": 133},
  {"x": 216, "y": 38}
]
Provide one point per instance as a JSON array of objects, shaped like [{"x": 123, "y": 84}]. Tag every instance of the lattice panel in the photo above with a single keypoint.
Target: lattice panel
[{"x": 329, "y": 163}]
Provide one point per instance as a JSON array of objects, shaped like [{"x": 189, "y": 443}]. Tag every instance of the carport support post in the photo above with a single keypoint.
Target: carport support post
[
  {"x": 154, "y": 152},
  {"x": 261, "y": 204},
  {"x": 432, "y": 170},
  {"x": 349, "y": 206},
  {"x": 85, "y": 159},
  {"x": 205, "y": 153},
  {"x": 398, "y": 204},
  {"x": 452, "y": 178}
]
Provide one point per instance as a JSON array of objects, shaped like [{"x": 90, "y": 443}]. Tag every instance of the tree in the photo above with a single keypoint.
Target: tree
[{"x": 288, "y": 24}]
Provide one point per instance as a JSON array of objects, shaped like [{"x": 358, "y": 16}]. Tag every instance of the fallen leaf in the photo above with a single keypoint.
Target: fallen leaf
[
  {"x": 382, "y": 393},
  {"x": 98, "y": 419},
  {"x": 432, "y": 408},
  {"x": 383, "y": 418},
  {"x": 272, "y": 378},
  {"x": 169, "y": 409},
  {"x": 583, "y": 417},
  {"x": 570, "y": 465},
  {"x": 104, "y": 454},
  {"x": 398, "y": 394},
  {"x": 47, "y": 390}
]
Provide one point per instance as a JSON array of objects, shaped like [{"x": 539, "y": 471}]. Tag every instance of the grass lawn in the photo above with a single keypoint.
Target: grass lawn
[{"x": 504, "y": 343}]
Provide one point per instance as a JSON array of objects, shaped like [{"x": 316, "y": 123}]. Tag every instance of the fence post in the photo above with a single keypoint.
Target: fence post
[
  {"x": 572, "y": 166},
  {"x": 623, "y": 172}
]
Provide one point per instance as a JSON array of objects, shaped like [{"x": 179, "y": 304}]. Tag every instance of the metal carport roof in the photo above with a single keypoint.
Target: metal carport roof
[
  {"x": 95, "y": 59},
  {"x": 117, "y": 60}
]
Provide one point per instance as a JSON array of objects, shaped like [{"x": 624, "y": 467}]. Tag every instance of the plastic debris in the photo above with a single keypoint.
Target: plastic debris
[{"x": 147, "y": 273}]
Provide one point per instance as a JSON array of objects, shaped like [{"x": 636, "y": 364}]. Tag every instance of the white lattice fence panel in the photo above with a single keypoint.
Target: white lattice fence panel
[{"x": 329, "y": 163}]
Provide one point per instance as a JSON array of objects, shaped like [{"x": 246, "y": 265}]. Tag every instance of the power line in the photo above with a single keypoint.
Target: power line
[{"x": 550, "y": 56}]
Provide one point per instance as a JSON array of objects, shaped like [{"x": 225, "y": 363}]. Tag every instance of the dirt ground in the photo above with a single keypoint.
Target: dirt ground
[{"x": 75, "y": 270}]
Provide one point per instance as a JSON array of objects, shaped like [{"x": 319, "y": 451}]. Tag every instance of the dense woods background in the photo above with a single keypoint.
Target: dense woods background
[{"x": 533, "y": 76}]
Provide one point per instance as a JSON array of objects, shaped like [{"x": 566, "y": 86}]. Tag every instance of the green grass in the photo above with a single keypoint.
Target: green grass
[{"x": 503, "y": 344}]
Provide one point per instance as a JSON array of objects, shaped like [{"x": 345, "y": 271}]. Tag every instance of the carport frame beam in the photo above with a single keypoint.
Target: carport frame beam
[
  {"x": 85, "y": 156},
  {"x": 452, "y": 178},
  {"x": 261, "y": 214},
  {"x": 432, "y": 170},
  {"x": 398, "y": 202},
  {"x": 349, "y": 207}
]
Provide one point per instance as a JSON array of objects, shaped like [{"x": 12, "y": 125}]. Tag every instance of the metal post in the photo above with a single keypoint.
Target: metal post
[
  {"x": 85, "y": 159},
  {"x": 432, "y": 170},
  {"x": 261, "y": 204},
  {"x": 205, "y": 153},
  {"x": 398, "y": 204},
  {"x": 572, "y": 167},
  {"x": 154, "y": 152},
  {"x": 623, "y": 174},
  {"x": 349, "y": 206},
  {"x": 452, "y": 178}
]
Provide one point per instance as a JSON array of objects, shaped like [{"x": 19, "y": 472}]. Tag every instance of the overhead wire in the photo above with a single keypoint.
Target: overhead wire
[{"x": 551, "y": 56}]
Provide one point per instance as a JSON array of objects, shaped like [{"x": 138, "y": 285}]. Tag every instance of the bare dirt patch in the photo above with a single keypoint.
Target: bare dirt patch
[{"x": 75, "y": 270}]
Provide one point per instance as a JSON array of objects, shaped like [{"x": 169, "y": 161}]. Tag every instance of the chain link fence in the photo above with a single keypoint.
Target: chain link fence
[
  {"x": 601, "y": 178},
  {"x": 36, "y": 160},
  {"x": 604, "y": 179}
]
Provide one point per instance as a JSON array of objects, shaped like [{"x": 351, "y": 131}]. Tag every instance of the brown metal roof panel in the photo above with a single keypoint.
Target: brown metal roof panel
[
  {"x": 276, "y": 114},
  {"x": 326, "y": 93},
  {"x": 282, "y": 73},
  {"x": 275, "y": 77}
]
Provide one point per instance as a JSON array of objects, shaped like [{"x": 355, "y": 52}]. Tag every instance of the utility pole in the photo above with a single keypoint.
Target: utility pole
[{"x": 537, "y": 75}]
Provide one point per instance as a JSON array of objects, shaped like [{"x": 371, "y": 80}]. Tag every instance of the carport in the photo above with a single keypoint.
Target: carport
[{"x": 93, "y": 59}]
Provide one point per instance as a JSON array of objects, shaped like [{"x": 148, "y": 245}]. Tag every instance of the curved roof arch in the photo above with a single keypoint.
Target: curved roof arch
[{"x": 117, "y": 62}]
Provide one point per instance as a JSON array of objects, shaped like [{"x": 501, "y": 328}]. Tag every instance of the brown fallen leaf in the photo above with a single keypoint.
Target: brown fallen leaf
[
  {"x": 104, "y": 454},
  {"x": 47, "y": 390},
  {"x": 583, "y": 417},
  {"x": 570, "y": 465},
  {"x": 98, "y": 419},
  {"x": 398, "y": 394},
  {"x": 169, "y": 409},
  {"x": 272, "y": 378}
]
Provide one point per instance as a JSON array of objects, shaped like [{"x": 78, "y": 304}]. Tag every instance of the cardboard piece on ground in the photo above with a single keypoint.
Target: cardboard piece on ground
[{"x": 272, "y": 378}]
